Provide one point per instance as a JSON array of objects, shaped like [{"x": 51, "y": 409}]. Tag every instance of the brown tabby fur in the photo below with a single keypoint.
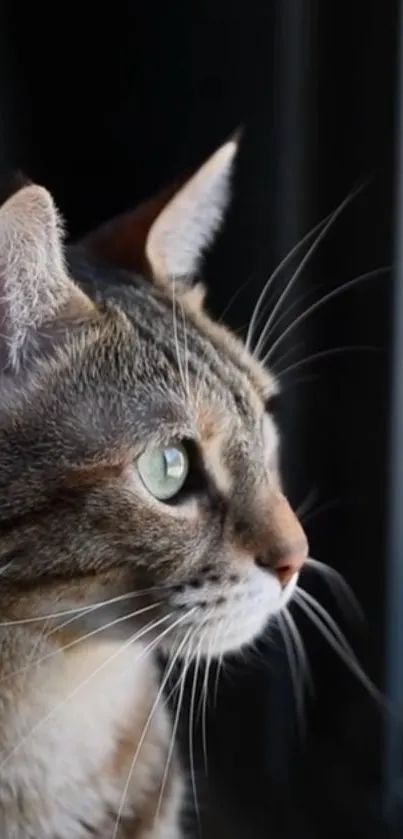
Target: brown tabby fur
[{"x": 95, "y": 573}]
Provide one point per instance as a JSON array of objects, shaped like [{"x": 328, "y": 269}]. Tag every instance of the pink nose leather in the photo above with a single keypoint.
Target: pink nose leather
[{"x": 290, "y": 563}]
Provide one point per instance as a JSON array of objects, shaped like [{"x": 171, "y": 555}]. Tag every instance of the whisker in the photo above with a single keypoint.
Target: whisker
[
  {"x": 192, "y": 730},
  {"x": 331, "y": 504},
  {"x": 283, "y": 264},
  {"x": 301, "y": 380},
  {"x": 333, "y": 351},
  {"x": 135, "y": 637},
  {"x": 253, "y": 655},
  {"x": 89, "y": 611},
  {"x": 175, "y": 723},
  {"x": 150, "y": 717},
  {"x": 219, "y": 668},
  {"x": 31, "y": 658},
  {"x": 301, "y": 651},
  {"x": 288, "y": 352},
  {"x": 377, "y": 272},
  {"x": 339, "y": 644},
  {"x": 233, "y": 298},
  {"x": 205, "y": 693},
  {"x": 176, "y": 340},
  {"x": 282, "y": 316},
  {"x": 81, "y": 639},
  {"x": 340, "y": 588},
  {"x": 297, "y": 273},
  {"x": 202, "y": 698},
  {"x": 185, "y": 341},
  {"x": 294, "y": 666},
  {"x": 83, "y": 610},
  {"x": 327, "y": 619}
]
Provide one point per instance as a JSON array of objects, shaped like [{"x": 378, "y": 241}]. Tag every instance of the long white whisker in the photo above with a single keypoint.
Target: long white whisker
[
  {"x": 80, "y": 639},
  {"x": 378, "y": 272},
  {"x": 302, "y": 264},
  {"x": 285, "y": 355},
  {"x": 282, "y": 316},
  {"x": 205, "y": 704},
  {"x": 150, "y": 717},
  {"x": 176, "y": 339},
  {"x": 83, "y": 610},
  {"x": 82, "y": 684},
  {"x": 339, "y": 644},
  {"x": 175, "y": 724},
  {"x": 327, "y": 619},
  {"x": 219, "y": 667},
  {"x": 300, "y": 650},
  {"x": 333, "y": 351},
  {"x": 339, "y": 587},
  {"x": 234, "y": 297},
  {"x": 191, "y": 731},
  {"x": 55, "y": 629},
  {"x": 266, "y": 288},
  {"x": 332, "y": 503},
  {"x": 31, "y": 658},
  {"x": 295, "y": 669},
  {"x": 185, "y": 341}
]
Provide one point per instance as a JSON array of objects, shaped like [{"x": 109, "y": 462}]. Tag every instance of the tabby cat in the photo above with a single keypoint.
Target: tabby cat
[{"x": 141, "y": 508}]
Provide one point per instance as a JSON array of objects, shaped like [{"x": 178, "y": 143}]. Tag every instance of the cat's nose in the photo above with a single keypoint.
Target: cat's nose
[
  {"x": 285, "y": 561},
  {"x": 276, "y": 539}
]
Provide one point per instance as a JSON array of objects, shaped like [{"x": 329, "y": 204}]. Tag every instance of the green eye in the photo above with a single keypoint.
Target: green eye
[{"x": 164, "y": 470}]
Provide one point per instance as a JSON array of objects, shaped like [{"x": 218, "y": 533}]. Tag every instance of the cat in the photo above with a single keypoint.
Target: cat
[{"x": 141, "y": 508}]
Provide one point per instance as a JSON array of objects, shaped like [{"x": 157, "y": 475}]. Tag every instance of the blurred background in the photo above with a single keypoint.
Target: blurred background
[{"x": 104, "y": 107}]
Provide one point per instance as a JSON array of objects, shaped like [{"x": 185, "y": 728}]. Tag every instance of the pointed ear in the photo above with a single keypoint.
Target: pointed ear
[
  {"x": 35, "y": 290},
  {"x": 167, "y": 236},
  {"x": 181, "y": 234}
]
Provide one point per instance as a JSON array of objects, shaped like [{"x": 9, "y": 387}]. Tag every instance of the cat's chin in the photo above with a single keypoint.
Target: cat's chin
[{"x": 232, "y": 625}]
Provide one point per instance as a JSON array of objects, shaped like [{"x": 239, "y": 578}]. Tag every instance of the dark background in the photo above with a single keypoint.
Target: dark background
[{"x": 104, "y": 107}]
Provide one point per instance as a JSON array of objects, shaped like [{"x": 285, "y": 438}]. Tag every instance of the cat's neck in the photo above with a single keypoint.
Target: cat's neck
[{"x": 72, "y": 727}]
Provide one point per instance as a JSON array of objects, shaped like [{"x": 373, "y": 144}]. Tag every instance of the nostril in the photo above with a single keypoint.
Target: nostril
[
  {"x": 284, "y": 573},
  {"x": 284, "y": 563}
]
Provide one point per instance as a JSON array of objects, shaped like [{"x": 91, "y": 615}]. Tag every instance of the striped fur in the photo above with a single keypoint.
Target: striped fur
[{"x": 96, "y": 575}]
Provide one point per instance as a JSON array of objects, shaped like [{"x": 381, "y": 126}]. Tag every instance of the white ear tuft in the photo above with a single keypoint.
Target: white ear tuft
[{"x": 187, "y": 225}]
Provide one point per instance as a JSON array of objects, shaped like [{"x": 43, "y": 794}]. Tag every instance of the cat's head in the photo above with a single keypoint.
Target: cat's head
[{"x": 138, "y": 460}]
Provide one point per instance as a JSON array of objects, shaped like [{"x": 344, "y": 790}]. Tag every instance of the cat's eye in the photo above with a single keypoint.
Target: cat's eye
[{"x": 163, "y": 470}]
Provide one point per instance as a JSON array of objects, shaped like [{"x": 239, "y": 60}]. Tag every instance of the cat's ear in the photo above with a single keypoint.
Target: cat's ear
[
  {"x": 188, "y": 224},
  {"x": 167, "y": 236},
  {"x": 35, "y": 290}
]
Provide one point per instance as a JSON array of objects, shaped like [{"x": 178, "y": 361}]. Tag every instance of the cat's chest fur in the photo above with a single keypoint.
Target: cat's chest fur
[{"x": 82, "y": 748}]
